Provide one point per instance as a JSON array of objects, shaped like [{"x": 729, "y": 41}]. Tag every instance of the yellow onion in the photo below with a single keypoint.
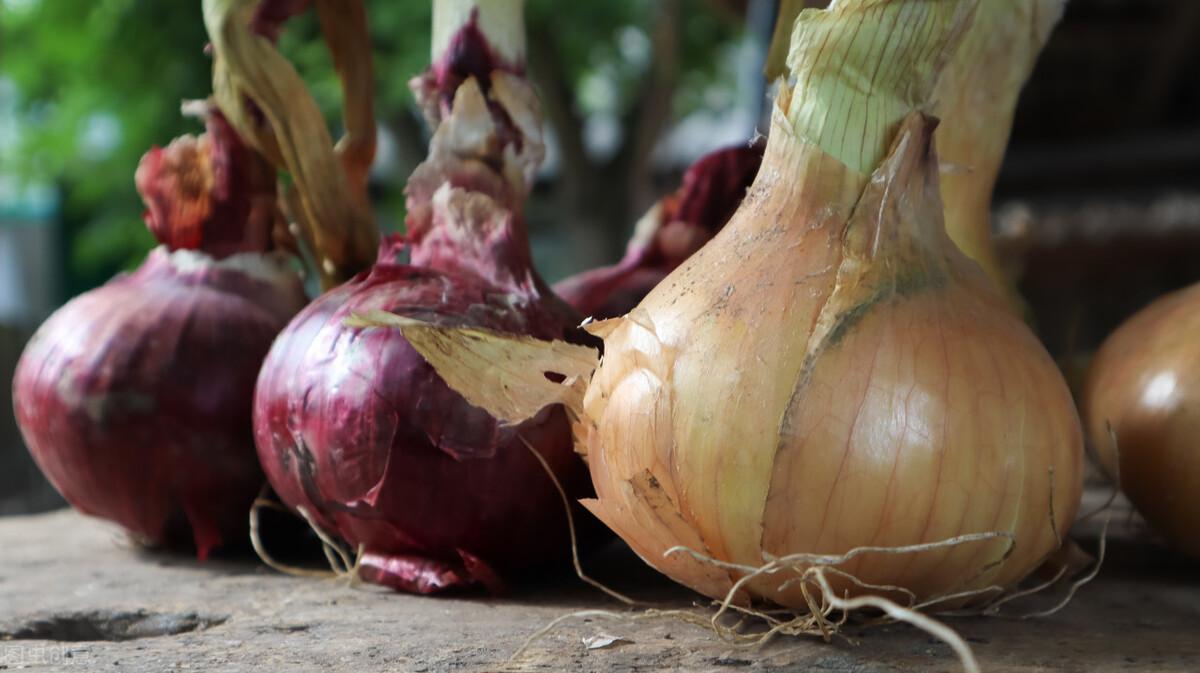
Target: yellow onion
[
  {"x": 976, "y": 98},
  {"x": 1145, "y": 384},
  {"x": 830, "y": 374},
  {"x": 853, "y": 380}
]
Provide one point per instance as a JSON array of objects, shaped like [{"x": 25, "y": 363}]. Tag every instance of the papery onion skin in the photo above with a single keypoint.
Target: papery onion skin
[
  {"x": 677, "y": 226},
  {"x": 134, "y": 399},
  {"x": 831, "y": 373},
  {"x": 1144, "y": 383}
]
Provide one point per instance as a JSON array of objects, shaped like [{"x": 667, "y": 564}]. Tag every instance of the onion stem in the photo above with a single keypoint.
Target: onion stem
[
  {"x": 500, "y": 21},
  {"x": 253, "y": 83},
  {"x": 859, "y": 72},
  {"x": 975, "y": 99}
]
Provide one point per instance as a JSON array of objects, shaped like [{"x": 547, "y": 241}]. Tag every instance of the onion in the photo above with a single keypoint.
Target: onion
[
  {"x": 1144, "y": 384},
  {"x": 829, "y": 384},
  {"x": 135, "y": 398},
  {"x": 353, "y": 427},
  {"x": 852, "y": 380},
  {"x": 675, "y": 227}
]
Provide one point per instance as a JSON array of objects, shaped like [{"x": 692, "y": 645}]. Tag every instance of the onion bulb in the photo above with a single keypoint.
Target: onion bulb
[
  {"x": 675, "y": 227},
  {"x": 1144, "y": 384},
  {"x": 135, "y": 398},
  {"x": 830, "y": 374},
  {"x": 353, "y": 427},
  {"x": 853, "y": 380}
]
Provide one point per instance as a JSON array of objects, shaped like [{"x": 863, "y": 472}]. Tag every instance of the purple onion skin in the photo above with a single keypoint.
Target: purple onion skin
[
  {"x": 354, "y": 426},
  {"x": 611, "y": 291},
  {"x": 712, "y": 188},
  {"x": 135, "y": 398}
]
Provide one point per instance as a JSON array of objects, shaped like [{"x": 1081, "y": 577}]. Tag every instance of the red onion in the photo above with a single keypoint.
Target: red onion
[
  {"x": 135, "y": 398},
  {"x": 353, "y": 426},
  {"x": 675, "y": 227}
]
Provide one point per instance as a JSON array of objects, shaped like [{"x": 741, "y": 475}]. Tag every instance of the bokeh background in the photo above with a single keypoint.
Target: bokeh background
[{"x": 1097, "y": 211}]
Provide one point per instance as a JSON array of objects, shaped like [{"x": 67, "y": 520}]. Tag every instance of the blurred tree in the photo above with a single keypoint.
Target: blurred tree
[{"x": 97, "y": 82}]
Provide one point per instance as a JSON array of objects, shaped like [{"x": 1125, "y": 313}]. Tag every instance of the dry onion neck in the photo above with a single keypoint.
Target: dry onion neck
[
  {"x": 466, "y": 200},
  {"x": 898, "y": 48},
  {"x": 266, "y": 100},
  {"x": 209, "y": 193}
]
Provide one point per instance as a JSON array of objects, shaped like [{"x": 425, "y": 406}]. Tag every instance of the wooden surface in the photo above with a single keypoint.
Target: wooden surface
[{"x": 75, "y": 595}]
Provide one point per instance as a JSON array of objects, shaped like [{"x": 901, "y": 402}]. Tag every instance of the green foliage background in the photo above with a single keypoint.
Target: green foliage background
[{"x": 81, "y": 67}]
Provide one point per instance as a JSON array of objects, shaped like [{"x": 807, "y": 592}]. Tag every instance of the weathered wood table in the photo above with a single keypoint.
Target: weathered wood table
[{"x": 74, "y": 595}]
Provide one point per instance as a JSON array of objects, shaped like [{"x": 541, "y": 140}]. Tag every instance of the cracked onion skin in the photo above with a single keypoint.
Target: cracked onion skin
[
  {"x": 135, "y": 398},
  {"x": 1145, "y": 383},
  {"x": 830, "y": 372}
]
